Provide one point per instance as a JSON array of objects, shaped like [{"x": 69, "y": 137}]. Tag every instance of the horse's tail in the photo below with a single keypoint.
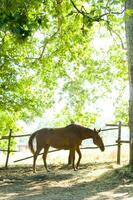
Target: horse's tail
[{"x": 30, "y": 143}]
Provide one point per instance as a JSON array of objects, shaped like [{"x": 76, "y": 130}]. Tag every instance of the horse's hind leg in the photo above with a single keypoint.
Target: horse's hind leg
[
  {"x": 72, "y": 154},
  {"x": 34, "y": 159},
  {"x": 80, "y": 156},
  {"x": 46, "y": 148}
]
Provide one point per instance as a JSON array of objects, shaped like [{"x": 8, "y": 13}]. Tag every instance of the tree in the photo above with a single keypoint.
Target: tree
[{"x": 129, "y": 36}]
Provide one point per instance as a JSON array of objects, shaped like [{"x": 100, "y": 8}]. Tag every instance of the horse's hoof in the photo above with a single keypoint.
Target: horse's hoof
[{"x": 69, "y": 164}]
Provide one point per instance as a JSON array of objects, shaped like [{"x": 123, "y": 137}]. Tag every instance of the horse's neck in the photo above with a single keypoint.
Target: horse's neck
[
  {"x": 83, "y": 132},
  {"x": 87, "y": 133}
]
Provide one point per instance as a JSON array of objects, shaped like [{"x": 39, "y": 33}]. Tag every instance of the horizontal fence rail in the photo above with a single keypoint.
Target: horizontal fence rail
[
  {"x": 12, "y": 151},
  {"x": 126, "y": 125},
  {"x": 109, "y": 129},
  {"x": 14, "y": 136},
  {"x": 27, "y": 135},
  {"x": 111, "y": 145}
]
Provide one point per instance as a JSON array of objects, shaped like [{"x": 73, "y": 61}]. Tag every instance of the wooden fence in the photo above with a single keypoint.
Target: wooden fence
[{"x": 118, "y": 143}]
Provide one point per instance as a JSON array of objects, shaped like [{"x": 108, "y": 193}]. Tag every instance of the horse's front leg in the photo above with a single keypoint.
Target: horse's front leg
[
  {"x": 69, "y": 158},
  {"x": 80, "y": 156},
  {"x": 46, "y": 148}
]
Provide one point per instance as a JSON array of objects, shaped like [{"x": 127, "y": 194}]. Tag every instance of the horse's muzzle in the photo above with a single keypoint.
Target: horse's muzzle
[{"x": 102, "y": 148}]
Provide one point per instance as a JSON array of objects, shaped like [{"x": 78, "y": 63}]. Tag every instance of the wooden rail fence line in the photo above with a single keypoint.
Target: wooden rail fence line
[{"x": 115, "y": 127}]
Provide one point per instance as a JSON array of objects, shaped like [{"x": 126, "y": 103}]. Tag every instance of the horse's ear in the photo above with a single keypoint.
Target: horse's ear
[
  {"x": 94, "y": 130},
  {"x": 99, "y": 130}
]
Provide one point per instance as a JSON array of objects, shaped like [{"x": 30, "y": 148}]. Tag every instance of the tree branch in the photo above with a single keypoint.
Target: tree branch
[
  {"x": 81, "y": 12},
  {"x": 45, "y": 44},
  {"x": 122, "y": 44},
  {"x": 98, "y": 17},
  {"x": 117, "y": 34}
]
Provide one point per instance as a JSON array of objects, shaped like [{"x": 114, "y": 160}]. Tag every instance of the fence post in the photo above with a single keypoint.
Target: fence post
[
  {"x": 119, "y": 145},
  {"x": 8, "y": 149}
]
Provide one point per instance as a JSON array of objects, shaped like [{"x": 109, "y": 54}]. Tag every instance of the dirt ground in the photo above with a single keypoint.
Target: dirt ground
[{"x": 95, "y": 181}]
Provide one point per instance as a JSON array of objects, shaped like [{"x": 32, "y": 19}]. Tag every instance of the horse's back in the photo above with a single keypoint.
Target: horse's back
[{"x": 62, "y": 138}]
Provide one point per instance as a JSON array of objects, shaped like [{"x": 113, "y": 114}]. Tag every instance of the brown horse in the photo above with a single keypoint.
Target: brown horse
[{"x": 68, "y": 138}]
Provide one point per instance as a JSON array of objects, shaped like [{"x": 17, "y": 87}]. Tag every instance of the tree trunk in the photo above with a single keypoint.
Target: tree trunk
[{"x": 129, "y": 38}]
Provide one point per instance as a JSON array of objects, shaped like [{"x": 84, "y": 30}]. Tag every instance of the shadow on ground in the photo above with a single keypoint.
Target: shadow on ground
[{"x": 97, "y": 181}]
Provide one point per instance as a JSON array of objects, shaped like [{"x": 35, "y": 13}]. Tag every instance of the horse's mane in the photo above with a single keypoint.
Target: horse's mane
[{"x": 73, "y": 125}]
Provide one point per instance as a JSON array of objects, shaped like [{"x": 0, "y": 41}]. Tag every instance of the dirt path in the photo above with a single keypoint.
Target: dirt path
[{"x": 92, "y": 182}]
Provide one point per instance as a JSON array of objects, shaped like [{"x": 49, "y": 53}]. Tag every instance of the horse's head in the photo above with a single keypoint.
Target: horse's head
[{"x": 98, "y": 140}]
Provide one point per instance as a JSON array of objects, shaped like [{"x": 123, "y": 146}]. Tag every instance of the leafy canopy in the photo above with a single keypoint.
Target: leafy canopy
[{"x": 48, "y": 54}]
